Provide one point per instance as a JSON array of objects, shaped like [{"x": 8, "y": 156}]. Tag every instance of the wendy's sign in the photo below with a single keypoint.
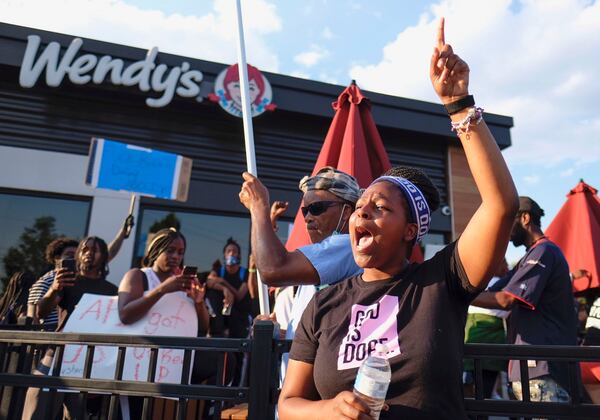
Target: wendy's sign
[
  {"x": 228, "y": 91},
  {"x": 161, "y": 82}
]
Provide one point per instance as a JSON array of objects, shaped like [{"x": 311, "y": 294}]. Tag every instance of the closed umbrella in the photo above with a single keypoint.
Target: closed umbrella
[{"x": 576, "y": 230}]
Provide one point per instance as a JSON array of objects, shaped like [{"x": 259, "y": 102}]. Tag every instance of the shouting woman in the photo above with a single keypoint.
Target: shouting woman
[{"x": 417, "y": 310}]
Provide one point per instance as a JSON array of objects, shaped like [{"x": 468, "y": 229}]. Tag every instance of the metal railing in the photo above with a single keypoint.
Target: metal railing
[
  {"x": 18, "y": 355},
  {"x": 576, "y": 408}
]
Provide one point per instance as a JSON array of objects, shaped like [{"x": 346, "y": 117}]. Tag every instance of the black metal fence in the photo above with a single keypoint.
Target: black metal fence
[
  {"x": 577, "y": 408},
  {"x": 20, "y": 350}
]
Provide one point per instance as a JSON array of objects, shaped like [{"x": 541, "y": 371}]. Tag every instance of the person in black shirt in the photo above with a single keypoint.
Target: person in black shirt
[
  {"x": 417, "y": 310},
  {"x": 68, "y": 287},
  {"x": 236, "y": 315},
  {"x": 65, "y": 293}
]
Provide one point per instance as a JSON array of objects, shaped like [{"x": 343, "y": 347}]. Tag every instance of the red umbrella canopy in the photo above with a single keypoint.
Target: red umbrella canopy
[
  {"x": 576, "y": 230},
  {"x": 352, "y": 145}
]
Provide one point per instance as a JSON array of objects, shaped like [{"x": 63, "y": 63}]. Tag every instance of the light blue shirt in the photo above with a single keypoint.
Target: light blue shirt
[{"x": 333, "y": 260}]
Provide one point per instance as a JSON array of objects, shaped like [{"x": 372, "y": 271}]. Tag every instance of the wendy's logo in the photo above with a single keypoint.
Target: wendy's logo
[{"x": 228, "y": 91}]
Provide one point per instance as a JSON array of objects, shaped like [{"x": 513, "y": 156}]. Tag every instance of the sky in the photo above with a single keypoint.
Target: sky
[{"x": 534, "y": 60}]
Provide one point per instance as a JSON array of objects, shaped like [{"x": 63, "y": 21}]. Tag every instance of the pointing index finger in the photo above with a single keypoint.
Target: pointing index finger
[{"x": 440, "y": 35}]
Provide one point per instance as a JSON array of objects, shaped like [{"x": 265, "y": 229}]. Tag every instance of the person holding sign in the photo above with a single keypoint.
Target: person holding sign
[
  {"x": 140, "y": 289},
  {"x": 417, "y": 310},
  {"x": 76, "y": 277},
  {"x": 163, "y": 272}
]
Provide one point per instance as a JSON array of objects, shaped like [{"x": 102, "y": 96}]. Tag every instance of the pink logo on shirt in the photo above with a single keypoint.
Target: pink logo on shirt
[{"x": 370, "y": 325}]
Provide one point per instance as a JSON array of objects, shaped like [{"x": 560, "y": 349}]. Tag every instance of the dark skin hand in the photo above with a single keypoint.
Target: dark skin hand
[
  {"x": 63, "y": 279},
  {"x": 277, "y": 266}
]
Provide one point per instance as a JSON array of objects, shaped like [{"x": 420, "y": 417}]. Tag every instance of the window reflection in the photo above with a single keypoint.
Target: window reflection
[
  {"x": 206, "y": 234},
  {"x": 40, "y": 219}
]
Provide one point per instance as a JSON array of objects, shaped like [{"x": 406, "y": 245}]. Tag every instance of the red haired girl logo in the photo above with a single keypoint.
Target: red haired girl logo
[{"x": 228, "y": 91}]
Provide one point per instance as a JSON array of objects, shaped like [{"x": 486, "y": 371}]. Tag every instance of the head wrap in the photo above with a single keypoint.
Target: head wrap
[
  {"x": 336, "y": 182},
  {"x": 159, "y": 244},
  {"x": 417, "y": 204}
]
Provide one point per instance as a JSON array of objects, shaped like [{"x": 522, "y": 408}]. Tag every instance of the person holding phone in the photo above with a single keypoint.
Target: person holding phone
[
  {"x": 233, "y": 315},
  {"x": 74, "y": 278},
  {"x": 56, "y": 251},
  {"x": 162, "y": 273}
]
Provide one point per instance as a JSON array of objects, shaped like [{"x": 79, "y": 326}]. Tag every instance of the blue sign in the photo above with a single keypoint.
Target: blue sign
[{"x": 124, "y": 167}]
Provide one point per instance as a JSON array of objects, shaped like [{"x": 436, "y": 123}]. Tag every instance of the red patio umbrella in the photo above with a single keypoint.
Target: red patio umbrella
[
  {"x": 576, "y": 230},
  {"x": 352, "y": 145}
]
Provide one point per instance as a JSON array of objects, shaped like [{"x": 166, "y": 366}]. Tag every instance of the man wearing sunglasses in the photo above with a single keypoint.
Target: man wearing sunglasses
[{"x": 328, "y": 201}]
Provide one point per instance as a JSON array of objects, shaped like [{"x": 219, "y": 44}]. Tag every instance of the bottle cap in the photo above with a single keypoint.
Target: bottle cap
[{"x": 381, "y": 349}]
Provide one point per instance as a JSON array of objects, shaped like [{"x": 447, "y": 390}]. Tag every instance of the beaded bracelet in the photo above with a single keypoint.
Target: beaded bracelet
[{"x": 474, "y": 116}]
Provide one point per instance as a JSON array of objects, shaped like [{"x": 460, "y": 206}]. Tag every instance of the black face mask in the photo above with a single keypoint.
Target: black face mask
[{"x": 518, "y": 234}]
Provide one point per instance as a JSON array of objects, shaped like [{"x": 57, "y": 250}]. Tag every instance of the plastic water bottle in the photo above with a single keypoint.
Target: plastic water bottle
[{"x": 373, "y": 379}]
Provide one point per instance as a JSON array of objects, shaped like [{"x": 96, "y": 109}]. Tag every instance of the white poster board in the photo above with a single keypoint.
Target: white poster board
[{"x": 173, "y": 315}]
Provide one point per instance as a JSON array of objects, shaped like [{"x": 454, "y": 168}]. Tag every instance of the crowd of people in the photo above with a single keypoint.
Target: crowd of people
[
  {"x": 224, "y": 299},
  {"x": 354, "y": 285}
]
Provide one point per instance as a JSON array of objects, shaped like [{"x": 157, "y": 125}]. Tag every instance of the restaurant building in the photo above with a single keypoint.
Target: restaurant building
[{"x": 58, "y": 91}]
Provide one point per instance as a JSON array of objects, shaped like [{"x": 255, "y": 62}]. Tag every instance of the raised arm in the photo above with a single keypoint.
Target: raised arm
[
  {"x": 276, "y": 265},
  {"x": 278, "y": 209},
  {"x": 483, "y": 243},
  {"x": 122, "y": 234}
]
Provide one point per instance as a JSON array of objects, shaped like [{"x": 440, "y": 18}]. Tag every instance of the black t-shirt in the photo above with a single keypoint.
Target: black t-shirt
[
  {"x": 238, "y": 322},
  {"x": 421, "y": 318},
  {"x": 545, "y": 313},
  {"x": 72, "y": 295}
]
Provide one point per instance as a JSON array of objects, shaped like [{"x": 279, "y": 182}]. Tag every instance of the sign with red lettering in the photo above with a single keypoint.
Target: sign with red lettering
[{"x": 173, "y": 315}]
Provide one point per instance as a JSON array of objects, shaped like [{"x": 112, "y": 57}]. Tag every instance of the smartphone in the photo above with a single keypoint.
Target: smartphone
[
  {"x": 190, "y": 270},
  {"x": 69, "y": 264},
  {"x": 202, "y": 277}
]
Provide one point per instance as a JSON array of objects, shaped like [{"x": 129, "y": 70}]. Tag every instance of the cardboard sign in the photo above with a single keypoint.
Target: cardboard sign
[
  {"x": 173, "y": 315},
  {"x": 125, "y": 167}
]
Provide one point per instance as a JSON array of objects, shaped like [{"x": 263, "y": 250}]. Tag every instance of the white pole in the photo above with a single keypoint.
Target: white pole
[{"x": 263, "y": 292}]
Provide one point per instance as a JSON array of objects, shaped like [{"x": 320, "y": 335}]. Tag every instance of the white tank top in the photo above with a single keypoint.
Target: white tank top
[{"x": 154, "y": 282}]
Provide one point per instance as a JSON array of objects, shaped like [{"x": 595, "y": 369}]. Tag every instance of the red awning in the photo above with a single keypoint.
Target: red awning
[
  {"x": 576, "y": 230},
  {"x": 352, "y": 145}
]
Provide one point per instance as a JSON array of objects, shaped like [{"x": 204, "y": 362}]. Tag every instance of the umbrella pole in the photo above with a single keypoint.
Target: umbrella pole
[{"x": 263, "y": 292}]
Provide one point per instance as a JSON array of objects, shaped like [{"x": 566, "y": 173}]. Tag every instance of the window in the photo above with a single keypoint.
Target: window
[
  {"x": 206, "y": 234},
  {"x": 34, "y": 220}
]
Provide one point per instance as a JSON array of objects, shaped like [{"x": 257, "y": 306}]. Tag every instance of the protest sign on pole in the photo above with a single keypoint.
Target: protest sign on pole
[
  {"x": 263, "y": 292},
  {"x": 125, "y": 167},
  {"x": 173, "y": 315}
]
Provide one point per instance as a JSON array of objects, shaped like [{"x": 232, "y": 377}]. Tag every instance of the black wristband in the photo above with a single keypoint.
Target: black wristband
[{"x": 462, "y": 103}]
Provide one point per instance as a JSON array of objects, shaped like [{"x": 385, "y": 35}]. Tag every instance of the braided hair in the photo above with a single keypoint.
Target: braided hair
[
  {"x": 159, "y": 244},
  {"x": 421, "y": 181},
  {"x": 14, "y": 301},
  {"x": 103, "y": 270}
]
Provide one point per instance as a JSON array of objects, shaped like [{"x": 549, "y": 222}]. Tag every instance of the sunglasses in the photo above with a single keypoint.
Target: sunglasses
[{"x": 318, "y": 207}]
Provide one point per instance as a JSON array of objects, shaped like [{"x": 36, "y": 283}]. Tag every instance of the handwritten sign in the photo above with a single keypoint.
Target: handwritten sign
[
  {"x": 125, "y": 167},
  {"x": 173, "y": 315}
]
